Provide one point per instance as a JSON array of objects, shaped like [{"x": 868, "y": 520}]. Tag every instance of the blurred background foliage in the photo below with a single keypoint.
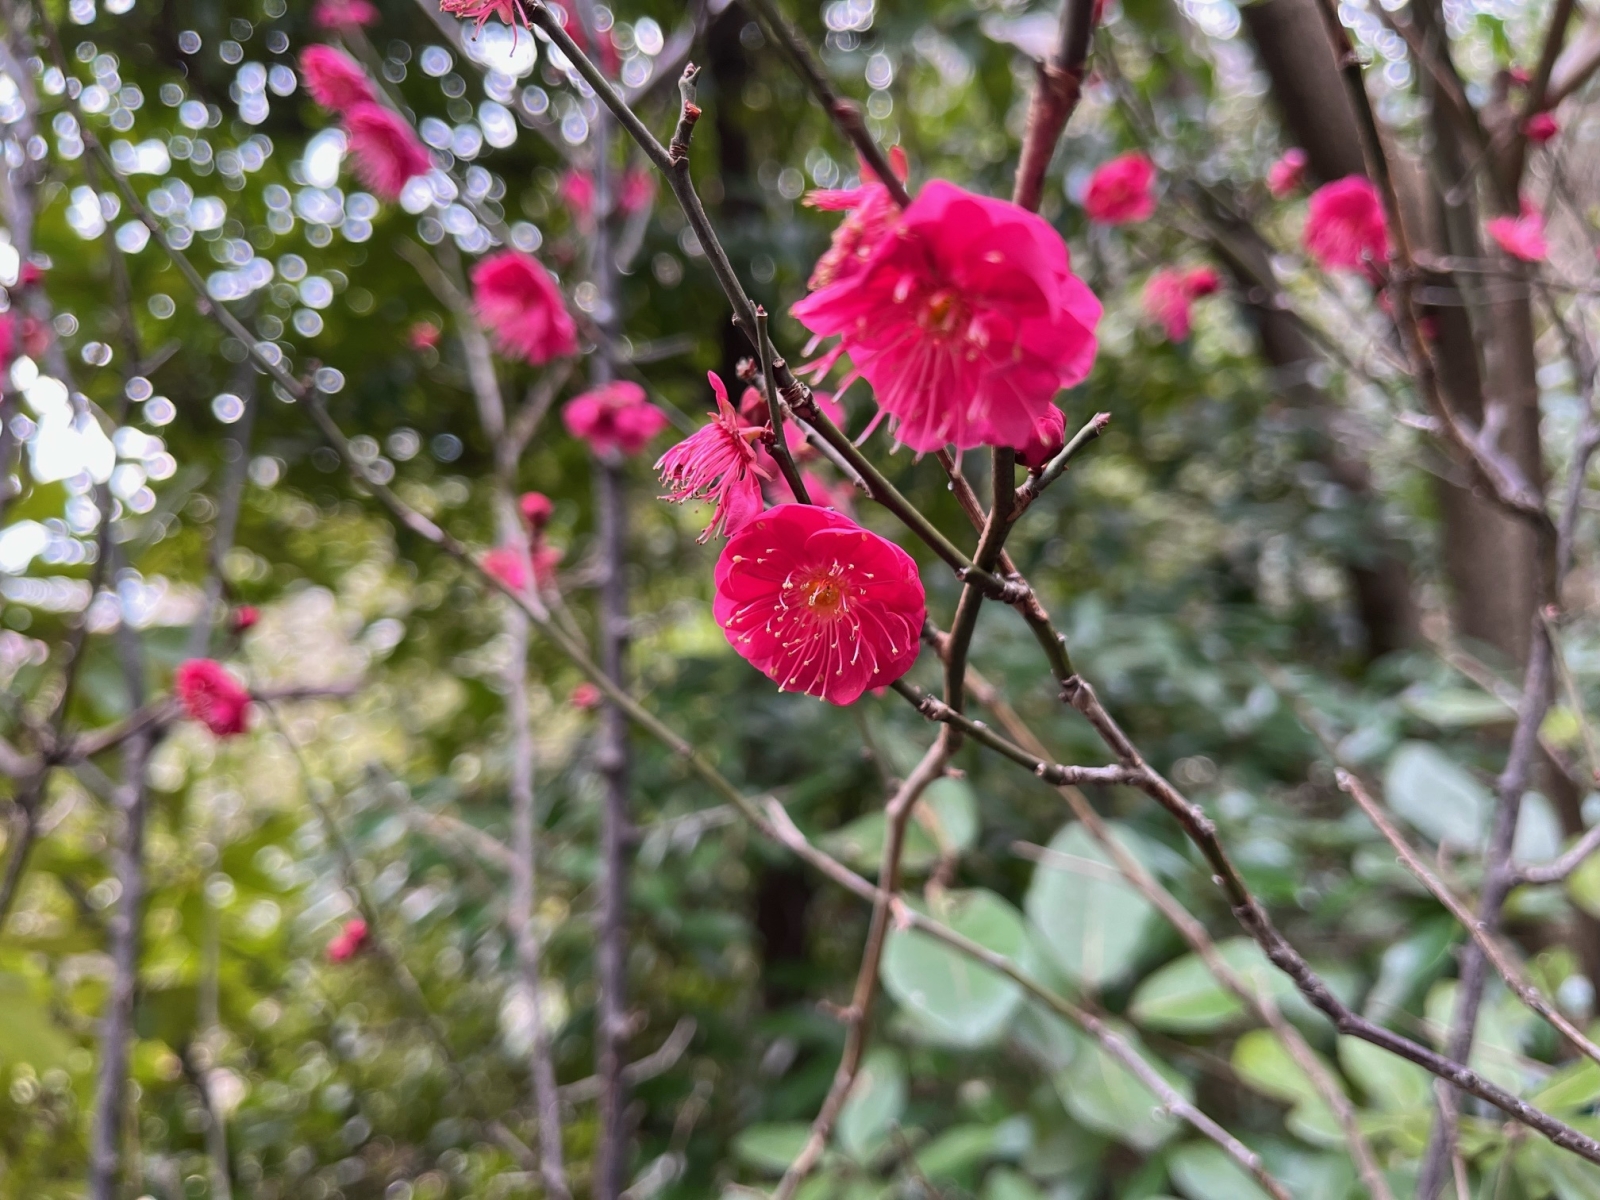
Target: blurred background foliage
[{"x": 1194, "y": 556}]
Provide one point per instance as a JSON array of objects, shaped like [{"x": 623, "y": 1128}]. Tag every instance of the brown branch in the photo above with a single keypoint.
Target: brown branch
[
  {"x": 1555, "y": 37},
  {"x": 658, "y": 1062},
  {"x": 1056, "y": 90},
  {"x": 1575, "y": 66},
  {"x": 897, "y": 816},
  {"x": 1497, "y": 953},
  {"x": 1037, "y": 481},
  {"x": 19, "y": 841},
  {"x": 1189, "y": 927},
  {"x": 521, "y": 860},
  {"x": 845, "y": 114}
]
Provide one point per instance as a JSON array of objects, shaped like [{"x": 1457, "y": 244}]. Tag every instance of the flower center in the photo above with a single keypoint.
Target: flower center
[
  {"x": 824, "y": 595},
  {"x": 943, "y": 311}
]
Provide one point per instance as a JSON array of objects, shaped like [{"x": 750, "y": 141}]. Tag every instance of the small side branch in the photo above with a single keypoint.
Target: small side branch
[
  {"x": 1056, "y": 467},
  {"x": 844, "y": 113},
  {"x": 1492, "y": 947},
  {"x": 1055, "y": 95},
  {"x": 897, "y": 816}
]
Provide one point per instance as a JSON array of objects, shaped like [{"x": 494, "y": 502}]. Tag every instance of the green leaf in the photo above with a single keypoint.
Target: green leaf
[
  {"x": 1546, "y": 1170},
  {"x": 948, "y": 811},
  {"x": 1184, "y": 997},
  {"x": 1455, "y": 708},
  {"x": 27, "y": 1034},
  {"x": 1438, "y": 797},
  {"x": 1003, "y": 1183},
  {"x": 1264, "y": 1062},
  {"x": 1583, "y": 885},
  {"x": 1575, "y": 1086},
  {"x": 958, "y": 1001},
  {"x": 860, "y": 844},
  {"x": 771, "y": 1148},
  {"x": 876, "y": 1102},
  {"x": 1390, "y": 1083},
  {"x": 957, "y": 1153},
  {"x": 944, "y": 821},
  {"x": 1502, "y": 1022},
  {"x": 1093, "y": 922},
  {"x": 1105, "y": 1096},
  {"x": 1203, "y": 1171}
]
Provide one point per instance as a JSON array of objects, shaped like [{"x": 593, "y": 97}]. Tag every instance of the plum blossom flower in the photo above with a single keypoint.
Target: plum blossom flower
[
  {"x": 518, "y": 300},
  {"x": 615, "y": 418},
  {"x": 966, "y": 321},
  {"x": 818, "y": 604},
  {"x": 577, "y": 191},
  {"x": 509, "y": 12},
  {"x": 1288, "y": 173},
  {"x": 210, "y": 695},
  {"x": 585, "y": 696},
  {"x": 349, "y": 941},
  {"x": 717, "y": 463},
  {"x": 21, "y": 335},
  {"x": 424, "y": 335},
  {"x": 32, "y": 273},
  {"x": 753, "y": 412},
  {"x": 637, "y": 190},
  {"x": 1049, "y": 436},
  {"x": 334, "y": 79},
  {"x": 1521, "y": 237},
  {"x": 1541, "y": 127},
  {"x": 1345, "y": 226},
  {"x": 506, "y": 563},
  {"x": 870, "y": 214},
  {"x": 1121, "y": 191},
  {"x": 1170, "y": 294},
  {"x": 343, "y": 14},
  {"x": 536, "y": 509},
  {"x": 386, "y": 149},
  {"x": 246, "y": 617}
]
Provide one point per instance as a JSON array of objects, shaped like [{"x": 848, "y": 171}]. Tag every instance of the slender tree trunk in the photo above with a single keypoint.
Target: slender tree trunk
[
  {"x": 612, "y": 1024},
  {"x": 106, "y": 1167}
]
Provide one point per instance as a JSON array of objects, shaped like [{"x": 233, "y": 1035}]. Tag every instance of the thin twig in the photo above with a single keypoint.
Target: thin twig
[
  {"x": 1251, "y": 992},
  {"x": 1498, "y": 954},
  {"x": 897, "y": 816},
  {"x": 845, "y": 114},
  {"x": 1052, "y": 470},
  {"x": 779, "y": 445},
  {"x": 658, "y": 1062}
]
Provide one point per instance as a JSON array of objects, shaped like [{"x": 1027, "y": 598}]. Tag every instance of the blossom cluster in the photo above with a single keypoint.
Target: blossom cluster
[{"x": 386, "y": 150}]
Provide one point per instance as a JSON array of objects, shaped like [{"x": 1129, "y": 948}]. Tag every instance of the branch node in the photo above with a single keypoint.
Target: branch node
[{"x": 678, "y": 150}]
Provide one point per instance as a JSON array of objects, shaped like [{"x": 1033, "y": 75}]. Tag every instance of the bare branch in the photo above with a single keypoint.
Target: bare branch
[
  {"x": 1555, "y": 36},
  {"x": 1055, "y": 95},
  {"x": 1497, "y": 953},
  {"x": 897, "y": 816},
  {"x": 1039, "y": 480},
  {"x": 658, "y": 1062},
  {"x": 1576, "y": 65},
  {"x": 845, "y": 114}
]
